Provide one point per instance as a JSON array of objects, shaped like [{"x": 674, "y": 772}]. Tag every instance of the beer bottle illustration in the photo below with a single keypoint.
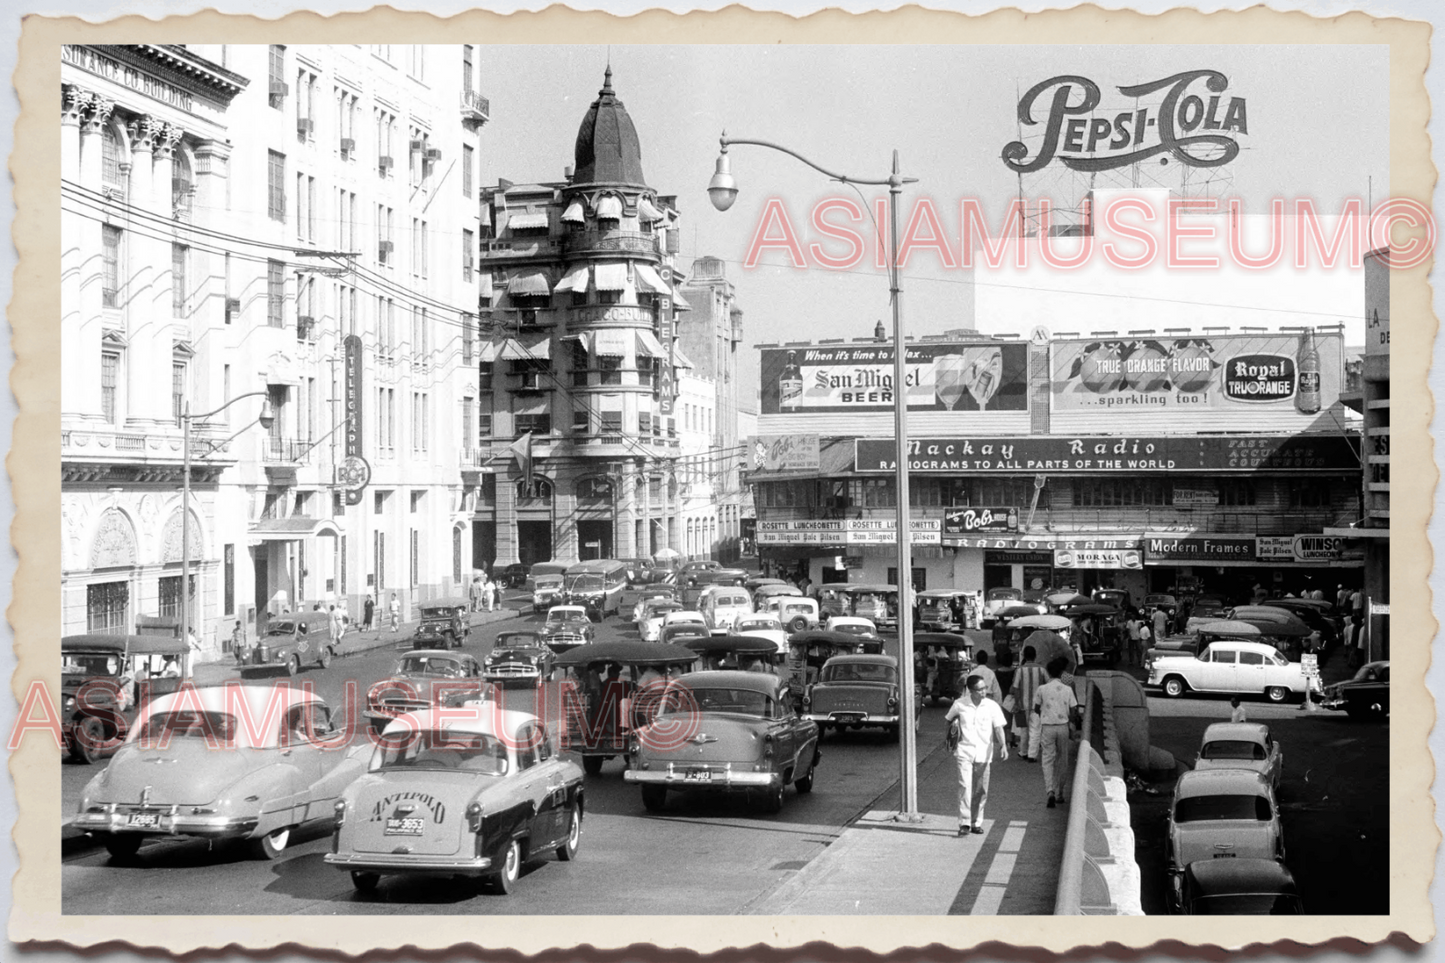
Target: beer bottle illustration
[
  {"x": 1307, "y": 364},
  {"x": 790, "y": 385}
]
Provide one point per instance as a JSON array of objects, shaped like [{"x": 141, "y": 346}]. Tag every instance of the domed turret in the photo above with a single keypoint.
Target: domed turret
[{"x": 608, "y": 151}]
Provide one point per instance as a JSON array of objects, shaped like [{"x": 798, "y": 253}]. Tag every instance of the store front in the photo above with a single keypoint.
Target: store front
[{"x": 1230, "y": 566}]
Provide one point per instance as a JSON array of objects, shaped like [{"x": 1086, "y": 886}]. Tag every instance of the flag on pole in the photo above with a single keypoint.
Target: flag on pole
[{"x": 521, "y": 451}]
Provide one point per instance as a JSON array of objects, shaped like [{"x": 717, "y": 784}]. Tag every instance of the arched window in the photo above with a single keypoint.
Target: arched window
[
  {"x": 182, "y": 183},
  {"x": 540, "y": 488},
  {"x": 112, "y": 154}
]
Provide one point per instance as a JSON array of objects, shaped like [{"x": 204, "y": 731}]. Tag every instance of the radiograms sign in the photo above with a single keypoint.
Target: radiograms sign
[
  {"x": 1188, "y": 117},
  {"x": 940, "y": 377},
  {"x": 1273, "y": 372}
]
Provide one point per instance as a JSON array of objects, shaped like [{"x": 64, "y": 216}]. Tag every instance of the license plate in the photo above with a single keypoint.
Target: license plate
[
  {"x": 850, "y": 717},
  {"x": 1225, "y": 855},
  {"x": 406, "y": 826},
  {"x": 144, "y": 820},
  {"x": 697, "y": 775}
]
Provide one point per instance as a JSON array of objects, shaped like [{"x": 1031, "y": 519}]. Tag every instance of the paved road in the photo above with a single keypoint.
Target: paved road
[
  {"x": 1334, "y": 801},
  {"x": 704, "y": 855}
]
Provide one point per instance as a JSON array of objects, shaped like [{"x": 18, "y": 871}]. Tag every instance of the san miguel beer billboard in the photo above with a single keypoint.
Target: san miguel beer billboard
[
  {"x": 1286, "y": 373},
  {"x": 941, "y": 376}
]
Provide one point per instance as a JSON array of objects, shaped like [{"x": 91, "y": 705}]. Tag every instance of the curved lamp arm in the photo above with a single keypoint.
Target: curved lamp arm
[
  {"x": 892, "y": 180},
  {"x": 265, "y": 416}
]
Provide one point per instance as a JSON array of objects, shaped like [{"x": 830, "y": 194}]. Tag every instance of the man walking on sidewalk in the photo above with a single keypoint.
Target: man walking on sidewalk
[
  {"x": 980, "y": 736},
  {"x": 1026, "y": 682},
  {"x": 1055, "y": 704}
]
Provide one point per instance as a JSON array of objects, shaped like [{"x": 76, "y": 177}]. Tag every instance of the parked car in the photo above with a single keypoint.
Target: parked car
[
  {"x": 1239, "y": 887},
  {"x": 104, "y": 679},
  {"x": 763, "y": 593},
  {"x": 443, "y": 623},
  {"x": 1229, "y": 666},
  {"x": 547, "y": 591},
  {"x": 852, "y": 625},
  {"x": 798, "y": 613},
  {"x": 423, "y": 678},
  {"x": 996, "y": 599},
  {"x": 683, "y": 616},
  {"x": 649, "y": 624},
  {"x": 722, "y": 607},
  {"x": 854, "y": 691},
  {"x": 654, "y": 593},
  {"x": 512, "y": 576},
  {"x": 518, "y": 659},
  {"x": 168, "y": 781},
  {"x": 566, "y": 627},
  {"x": 1317, "y": 614},
  {"x": 748, "y": 739},
  {"x": 678, "y": 632},
  {"x": 1221, "y": 814},
  {"x": 763, "y": 627},
  {"x": 291, "y": 641},
  {"x": 1366, "y": 696},
  {"x": 473, "y": 793},
  {"x": 690, "y": 571},
  {"x": 1241, "y": 745}
]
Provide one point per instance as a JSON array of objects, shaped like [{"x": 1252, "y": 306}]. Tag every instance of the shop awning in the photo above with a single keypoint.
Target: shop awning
[
  {"x": 291, "y": 529},
  {"x": 610, "y": 208},
  {"x": 649, "y": 280},
  {"x": 527, "y": 221},
  {"x": 611, "y": 342},
  {"x": 523, "y": 285},
  {"x": 574, "y": 213},
  {"x": 680, "y": 360},
  {"x": 648, "y": 345},
  {"x": 487, "y": 352},
  {"x": 584, "y": 338},
  {"x": 485, "y": 284},
  {"x": 646, "y": 211},
  {"x": 574, "y": 280},
  {"x": 611, "y": 277},
  {"x": 514, "y": 350},
  {"x": 679, "y": 301}
]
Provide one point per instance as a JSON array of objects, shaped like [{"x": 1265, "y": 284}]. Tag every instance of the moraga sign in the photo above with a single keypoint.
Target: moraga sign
[{"x": 1193, "y": 121}]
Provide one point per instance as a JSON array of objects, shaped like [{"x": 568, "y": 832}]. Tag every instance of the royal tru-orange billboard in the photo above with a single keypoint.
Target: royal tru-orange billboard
[{"x": 1285, "y": 380}]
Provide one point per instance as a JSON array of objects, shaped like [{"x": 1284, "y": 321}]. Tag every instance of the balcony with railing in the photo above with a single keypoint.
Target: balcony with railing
[
  {"x": 284, "y": 450},
  {"x": 612, "y": 243},
  {"x": 521, "y": 319},
  {"x": 524, "y": 246},
  {"x": 476, "y": 109}
]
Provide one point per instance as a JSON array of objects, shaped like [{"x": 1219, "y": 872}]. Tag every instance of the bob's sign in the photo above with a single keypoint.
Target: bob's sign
[{"x": 1193, "y": 122}]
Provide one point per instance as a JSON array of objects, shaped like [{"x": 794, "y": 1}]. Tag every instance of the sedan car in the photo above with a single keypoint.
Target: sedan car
[
  {"x": 763, "y": 627},
  {"x": 1241, "y": 745},
  {"x": 1240, "y": 887},
  {"x": 649, "y": 625},
  {"x": 215, "y": 763},
  {"x": 1221, "y": 814},
  {"x": 473, "y": 793},
  {"x": 1229, "y": 666},
  {"x": 656, "y": 593},
  {"x": 854, "y": 626},
  {"x": 566, "y": 627},
  {"x": 853, "y": 691},
  {"x": 421, "y": 679},
  {"x": 1366, "y": 696},
  {"x": 996, "y": 599},
  {"x": 518, "y": 659},
  {"x": 797, "y": 612},
  {"x": 724, "y": 731}
]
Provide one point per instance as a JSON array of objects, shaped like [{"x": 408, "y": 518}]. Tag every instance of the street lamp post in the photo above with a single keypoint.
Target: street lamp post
[
  {"x": 265, "y": 419},
  {"x": 723, "y": 190}
]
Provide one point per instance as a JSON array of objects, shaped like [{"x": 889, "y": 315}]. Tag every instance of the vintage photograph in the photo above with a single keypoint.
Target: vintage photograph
[{"x": 663, "y": 480}]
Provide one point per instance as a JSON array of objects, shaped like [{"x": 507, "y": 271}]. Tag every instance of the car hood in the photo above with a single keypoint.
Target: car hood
[{"x": 187, "y": 772}]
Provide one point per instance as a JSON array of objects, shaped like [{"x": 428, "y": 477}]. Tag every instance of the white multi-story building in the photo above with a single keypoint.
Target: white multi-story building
[
  {"x": 315, "y": 250},
  {"x": 697, "y": 465}
]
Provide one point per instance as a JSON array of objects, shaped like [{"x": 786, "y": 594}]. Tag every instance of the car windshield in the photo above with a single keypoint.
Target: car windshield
[
  {"x": 853, "y": 629},
  {"x": 79, "y": 664},
  {"x": 731, "y": 600},
  {"x": 428, "y": 665},
  {"x": 1369, "y": 673},
  {"x": 998, "y": 595},
  {"x": 441, "y": 749},
  {"x": 1247, "y": 904},
  {"x": 1206, "y": 808},
  {"x": 189, "y": 724},
  {"x": 656, "y": 608},
  {"x": 575, "y": 615},
  {"x": 1232, "y": 749},
  {"x": 859, "y": 672},
  {"x": 749, "y": 702},
  {"x": 282, "y": 627},
  {"x": 759, "y": 625},
  {"x": 549, "y": 581},
  {"x": 586, "y": 583}
]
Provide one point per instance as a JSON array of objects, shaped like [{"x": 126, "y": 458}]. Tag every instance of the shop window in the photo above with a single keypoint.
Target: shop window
[
  {"x": 1309, "y": 493},
  {"x": 1236, "y": 492},
  {"x": 878, "y": 493},
  {"x": 1122, "y": 492}
]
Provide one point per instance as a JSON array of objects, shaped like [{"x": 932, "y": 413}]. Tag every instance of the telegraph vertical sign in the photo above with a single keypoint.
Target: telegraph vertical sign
[{"x": 354, "y": 473}]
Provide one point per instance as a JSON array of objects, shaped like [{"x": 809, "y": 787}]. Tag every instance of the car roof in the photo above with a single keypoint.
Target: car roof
[
  {"x": 1215, "y": 782},
  {"x": 120, "y": 644},
  {"x": 1243, "y": 645},
  {"x": 862, "y": 660},
  {"x": 483, "y": 719},
  {"x": 567, "y": 609},
  {"x": 434, "y": 654},
  {"x": 1237, "y": 731},
  {"x": 941, "y": 593},
  {"x": 691, "y": 613},
  {"x": 734, "y": 679},
  {"x": 214, "y": 698}
]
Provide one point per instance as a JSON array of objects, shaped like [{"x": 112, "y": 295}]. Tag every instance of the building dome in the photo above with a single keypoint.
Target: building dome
[{"x": 608, "y": 151}]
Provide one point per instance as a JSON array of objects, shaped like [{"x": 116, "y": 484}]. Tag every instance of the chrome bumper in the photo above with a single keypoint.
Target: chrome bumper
[
  {"x": 718, "y": 779},
  {"x": 849, "y": 720},
  {"x": 391, "y": 863},
  {"x": 169, "y": 824}
]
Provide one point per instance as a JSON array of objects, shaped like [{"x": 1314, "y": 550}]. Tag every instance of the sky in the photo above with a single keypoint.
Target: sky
[{"x": 1317, "y": 127}]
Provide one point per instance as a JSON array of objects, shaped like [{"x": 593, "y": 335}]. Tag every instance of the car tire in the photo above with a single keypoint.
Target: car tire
[
  {"x": 805, "y": 781},
  {"x": 654, "y": 797},
  {"x": 1174, "y": 687},
  {"x": 87, "y": 749},
  {"x": 364, "y": 882},
  {"x": 1277, "y": 693},
  {"x": 123, "y": 847},
  {"x": 293, "y": 665},
  {"x": 592, "y": 765},
  {"x": 797, "y": 624},
  {"x": 324, "y": 659},
  {"x": 271, "y": 845},
  {"x": 505, "y": 879},
  {"x": 773, "y": 799},
  {"x": 568, "y": 850}
]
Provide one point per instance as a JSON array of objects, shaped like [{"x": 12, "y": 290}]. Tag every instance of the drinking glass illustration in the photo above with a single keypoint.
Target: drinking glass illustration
[{"x": 949, "y": 374}]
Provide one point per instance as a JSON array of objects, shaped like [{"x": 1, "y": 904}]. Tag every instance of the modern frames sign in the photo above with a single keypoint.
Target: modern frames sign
[{"x": 1188, "y": 117}]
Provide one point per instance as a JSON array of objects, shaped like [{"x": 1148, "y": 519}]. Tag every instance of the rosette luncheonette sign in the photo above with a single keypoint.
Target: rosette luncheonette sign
[{"x": 1280, "y": 371}]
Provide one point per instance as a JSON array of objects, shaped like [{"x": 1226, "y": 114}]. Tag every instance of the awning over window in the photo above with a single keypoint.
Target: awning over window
[
  {"x": 527, "y": 221},
  {"x": 646, "y": 211},
  {"x": 574, "y": 213},
  {"x": 680, "y": 360},
  {"x": 612, "y": 277},
  {"x": 486, "y": 352},
  {"x": 648, "y": 345},
  {"x": 610, "y": 208},
  {"x": 649, "y": 280},
  {"x": 574, "y": 280},
  {"x": 514, "y": 350},
  {"x": 584, "y": 338},
  {"x": 524, "y": 285},
  {"x": 680, "y": 301},
  {"x": 291, "y": 529},
  {"x": 611, "y": 342},
  {"x": 485, "y": 281}
]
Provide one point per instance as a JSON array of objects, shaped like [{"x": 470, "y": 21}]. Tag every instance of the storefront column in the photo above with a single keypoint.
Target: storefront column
[
  {"x": 148, "y": 300},
  {"x": 85, "y": 363},
  {"x": 626, "y": 502},
  {"x": 211, "y": 195}
]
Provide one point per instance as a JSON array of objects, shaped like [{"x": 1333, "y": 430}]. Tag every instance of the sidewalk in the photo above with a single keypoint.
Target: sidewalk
[{"x": 879, "y": 866}]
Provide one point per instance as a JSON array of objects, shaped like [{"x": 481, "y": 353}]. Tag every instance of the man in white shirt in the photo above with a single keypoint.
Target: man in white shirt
[
  {"x": 1055, "y": 705},
  {"x": 990, "y": 679},
  {"x": 981, "y": 738}
]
